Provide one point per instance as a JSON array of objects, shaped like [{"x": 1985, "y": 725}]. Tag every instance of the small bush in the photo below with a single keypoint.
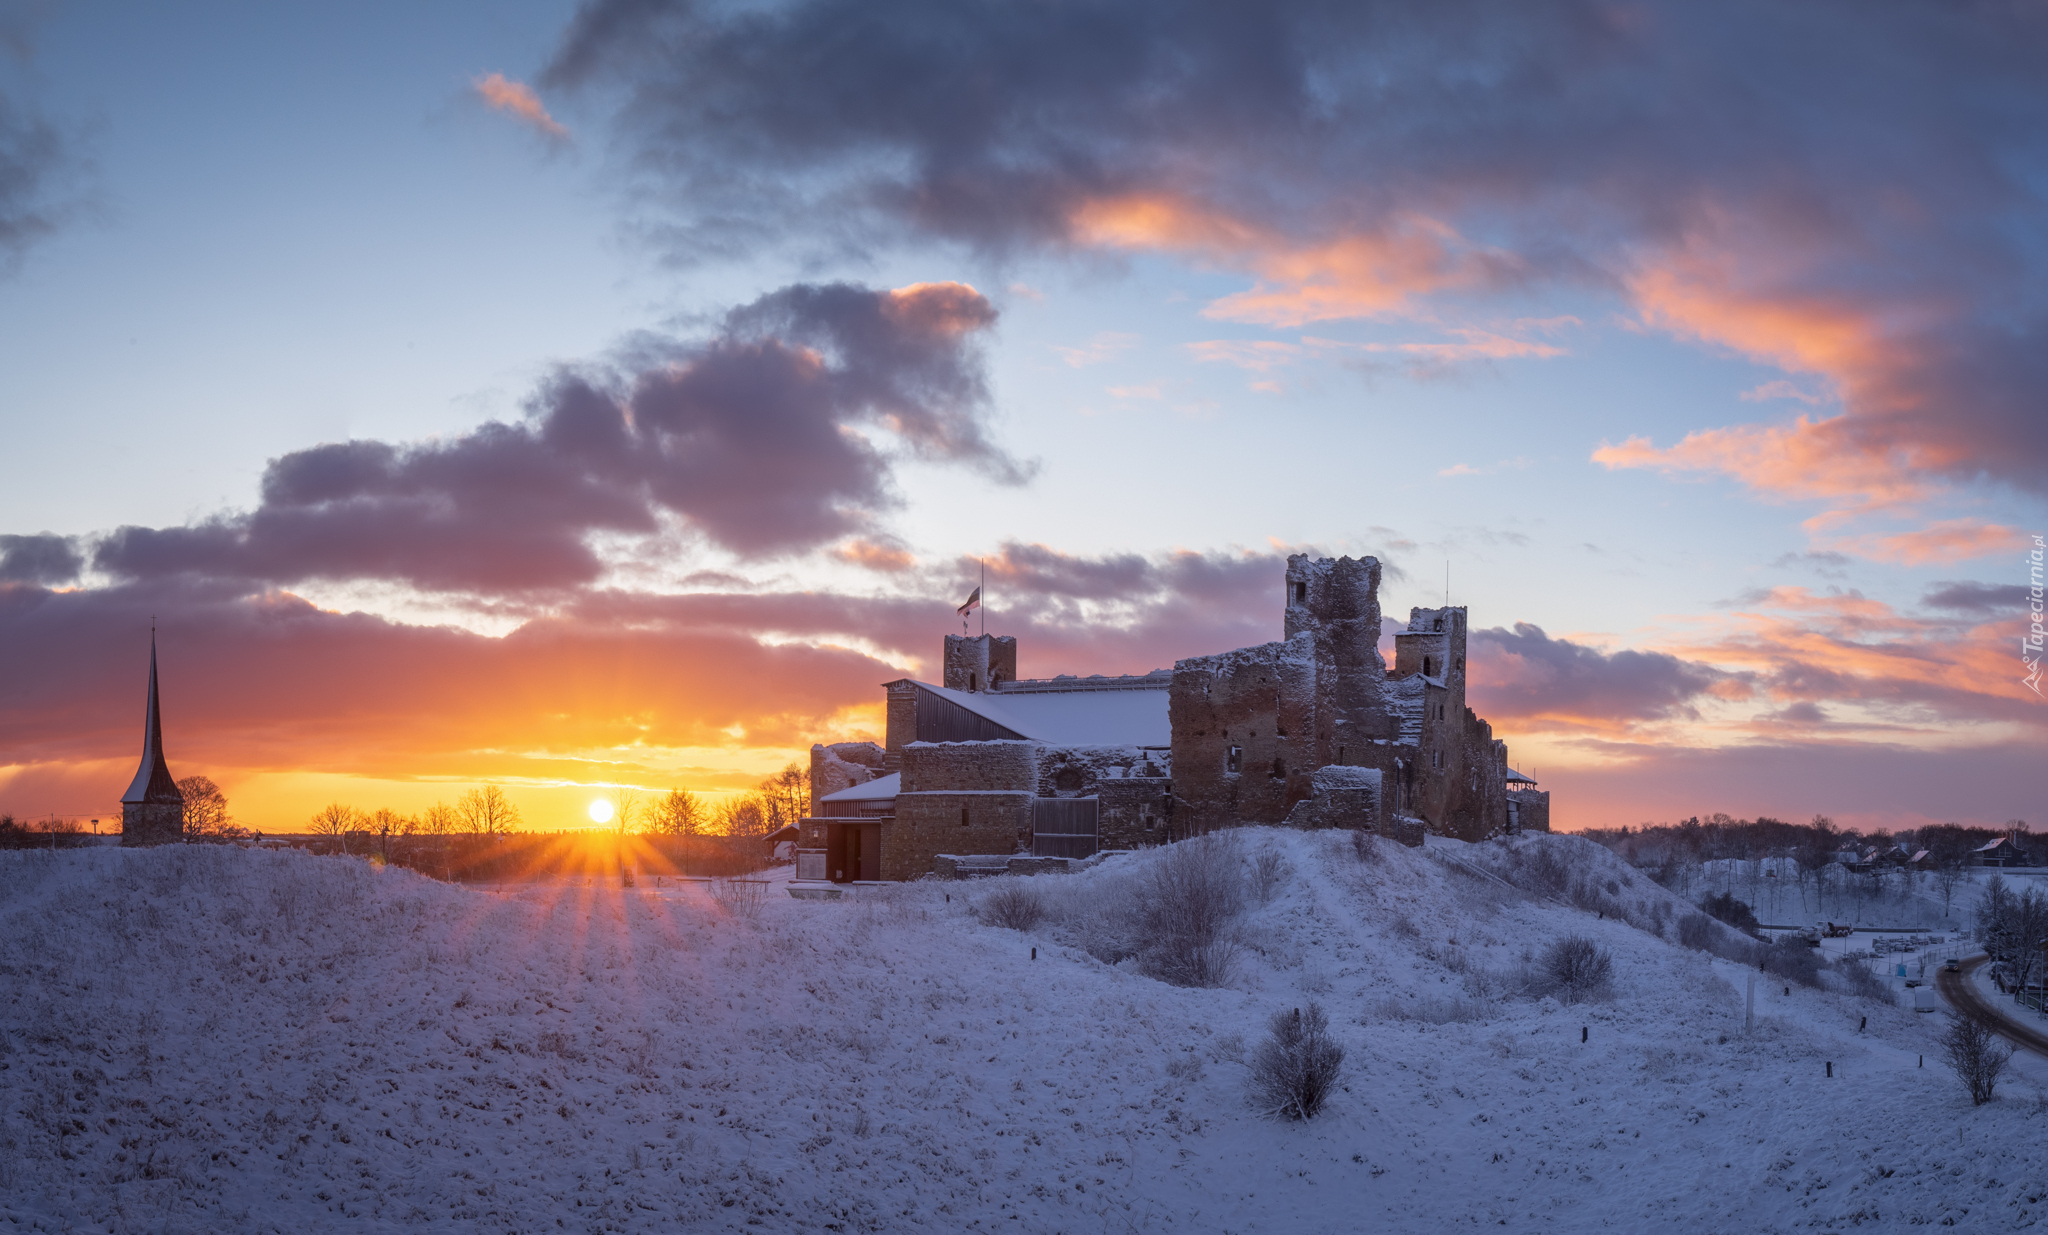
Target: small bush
[
  {"x": 1977, "y": 1056},
  {"x": 1194, "y": 892},
  {"x": 1366, "y": 847},
  {"x": 1296, "y": 1066},
  {"x": 1578, "y": 968},
  {"x": 1862, "y": 983},
  {"x": 1725, "y": 908},
  {"x": 739, "y": 897},
  {"x": 1269, "y": 872},
  {"x": 1015, "y": 905},
  {"x": 1792, "y": 961}
]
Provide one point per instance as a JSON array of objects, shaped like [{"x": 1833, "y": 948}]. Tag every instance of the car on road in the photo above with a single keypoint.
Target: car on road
[{"x": 1953, "y": 965}]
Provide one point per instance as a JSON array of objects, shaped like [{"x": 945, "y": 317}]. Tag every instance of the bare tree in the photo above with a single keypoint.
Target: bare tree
[
  {"x": 625, "y": 802},
  {"x": 785, "y": 796},
  {"x": 439, "y": 820},
  {"x": 335, "y": 821},
  {"x": 744, "y": 814},
  {"x": 678, "y": 813},
  {"x": 206, "y": 811},
  {"x": 487, "y": 811},
  {"x": 1977, "y": 1056}
]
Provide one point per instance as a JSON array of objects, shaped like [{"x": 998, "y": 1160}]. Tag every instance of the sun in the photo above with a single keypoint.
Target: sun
[{"x": 600, "y": 811}]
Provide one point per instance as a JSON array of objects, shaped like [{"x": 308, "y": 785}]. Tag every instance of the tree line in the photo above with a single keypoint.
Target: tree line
[{"x": 1673, "y": 854}]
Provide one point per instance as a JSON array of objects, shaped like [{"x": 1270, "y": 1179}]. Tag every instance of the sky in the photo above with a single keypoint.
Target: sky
[{"x": 571, "y": 397}]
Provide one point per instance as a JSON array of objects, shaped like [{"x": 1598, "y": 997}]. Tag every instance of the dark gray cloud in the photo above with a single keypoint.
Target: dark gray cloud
[
  {"x": 1525, "y": 674},
  {"x": 762, "y": 438},
  {"x": 37, "y": 159},
  {"x": 46, "y": 558},
  {"x": 1832, "y": 161},
  {"x": 1978, "y": 599}
]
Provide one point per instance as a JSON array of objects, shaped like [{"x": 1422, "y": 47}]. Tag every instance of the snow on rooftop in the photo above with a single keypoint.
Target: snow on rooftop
[
  {"x": 880, "y": 787},
  {"x": 1132, "y": 715}
]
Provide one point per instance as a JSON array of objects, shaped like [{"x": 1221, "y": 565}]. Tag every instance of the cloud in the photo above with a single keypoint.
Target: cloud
[
  {"x": 883, "y": 553},
  {"x": 1106, "y": 345},
  {"x": 1950, "y": 540},
  {"x": 1844, "y": 193},
  {"x": 778, "y": 434},
  {"x": 1523, "y": 679},
  {"x": 605, "y": 683},
  {"x": 39, "y": 164},
  {"x": 1417, "y": 360},
  {"x": 1980, "y": 599},
  {"x": 46, "y": 558},
  {"x": 1780, "y": 389},
  {"x": 517, "y": 99}
]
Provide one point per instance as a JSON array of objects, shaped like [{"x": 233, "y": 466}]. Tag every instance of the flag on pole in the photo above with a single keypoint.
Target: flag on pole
[{"x": 973, "y": 603}]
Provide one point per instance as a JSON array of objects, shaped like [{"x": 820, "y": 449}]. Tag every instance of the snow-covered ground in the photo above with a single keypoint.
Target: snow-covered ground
[{"x": 205, "y": 1039}]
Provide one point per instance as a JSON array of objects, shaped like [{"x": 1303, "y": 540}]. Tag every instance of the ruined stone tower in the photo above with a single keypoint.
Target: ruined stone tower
[
  {"x": 1316, "y": 729},
  {"x": 153, "y": 810}
]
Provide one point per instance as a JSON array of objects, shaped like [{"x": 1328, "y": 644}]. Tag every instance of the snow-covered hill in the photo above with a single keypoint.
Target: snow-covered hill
[{"x": 202, "y": 1039}]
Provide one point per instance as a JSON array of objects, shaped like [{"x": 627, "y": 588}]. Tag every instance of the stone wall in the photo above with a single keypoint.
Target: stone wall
[
  {"x": 1531, "y": 809},
  {"x": 979, "y": 663},
  {"x": 1259, "y": 702},
  {"x": 1342, "y": 797},
  {"x": 928, "y": 824},
  {"x": 902, "y": 721},
  {"x": 152, "y": 823},
  {"x": 1004, "y": 765},
  {"x": 1134, "y": 812},
  {"x": 842, "y": 765}
]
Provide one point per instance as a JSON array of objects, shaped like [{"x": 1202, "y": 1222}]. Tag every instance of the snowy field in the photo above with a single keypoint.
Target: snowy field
[{"x": 214, "y": 1040}]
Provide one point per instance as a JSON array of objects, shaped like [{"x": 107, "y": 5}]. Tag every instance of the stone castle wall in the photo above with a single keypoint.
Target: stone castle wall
[
  {"x": 979, "y": 766},
  {"x": 928, "y": 824}
]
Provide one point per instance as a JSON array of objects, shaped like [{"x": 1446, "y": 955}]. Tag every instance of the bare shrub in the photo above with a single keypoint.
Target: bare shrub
[
  {"x": 1366, "y": 847},
  {"x": 1269, "y": 872},
  {"x": 740, "y": 898},
  {"x": 1704, "y": 934},
  {"x": 1578, "y": 968},
  {"x": 1976, "y": 1054},
  {"x": 1296, "y": 1066},
  {"x": 1791, "y": 961},
  {"x": 1698, "y": 931},
  {"x": 1100, "y": 914},
  {"x": 1862, "y": 983},
  {"x": 1015, "y": 905},
  {"x": 1194, "y": 892}
]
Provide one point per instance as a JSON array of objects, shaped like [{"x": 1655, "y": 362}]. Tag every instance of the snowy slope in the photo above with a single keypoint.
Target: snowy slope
[{"x": 230, "y": 1040}]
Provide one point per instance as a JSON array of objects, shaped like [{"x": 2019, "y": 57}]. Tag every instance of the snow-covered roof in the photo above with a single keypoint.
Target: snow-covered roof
[
  {"x": 1516, "y": 778},
  {"x": 1132, "y": 714},
  {"x": 880, "y": 787}
]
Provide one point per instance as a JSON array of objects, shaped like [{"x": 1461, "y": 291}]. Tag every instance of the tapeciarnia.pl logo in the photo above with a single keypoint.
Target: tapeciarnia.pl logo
[{"x": 2031, "y": 644}]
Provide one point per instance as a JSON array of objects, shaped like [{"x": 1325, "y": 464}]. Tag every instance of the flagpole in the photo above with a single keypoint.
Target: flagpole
[{"x": 982, "y": 587}]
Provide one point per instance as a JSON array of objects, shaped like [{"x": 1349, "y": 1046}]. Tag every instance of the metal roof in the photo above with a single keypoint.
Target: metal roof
[
  {"x": 878, "y": 788},
  {"x": 153, "y": 781},
  {"x": 1087, "y": 715}
]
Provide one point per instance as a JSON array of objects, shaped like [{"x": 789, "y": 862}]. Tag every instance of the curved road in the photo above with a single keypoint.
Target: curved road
[{"x": 1964, "y": 997}]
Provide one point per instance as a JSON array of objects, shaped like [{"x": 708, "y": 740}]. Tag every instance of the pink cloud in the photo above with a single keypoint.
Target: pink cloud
[{"x": 501, "y": 93}]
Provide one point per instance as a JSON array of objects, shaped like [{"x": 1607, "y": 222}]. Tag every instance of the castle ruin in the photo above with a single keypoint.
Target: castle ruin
[{"x": 1314, "y": 730}]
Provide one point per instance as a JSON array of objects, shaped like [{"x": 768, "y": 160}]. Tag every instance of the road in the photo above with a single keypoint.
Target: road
[{"x": 1964, "y": 997}]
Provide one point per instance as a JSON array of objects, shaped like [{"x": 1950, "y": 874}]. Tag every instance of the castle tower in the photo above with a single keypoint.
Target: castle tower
[{"x": 153, "y": 810}]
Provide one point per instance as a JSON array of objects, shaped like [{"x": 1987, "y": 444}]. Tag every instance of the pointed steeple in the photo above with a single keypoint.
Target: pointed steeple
[{"x": 153, "y": 781}]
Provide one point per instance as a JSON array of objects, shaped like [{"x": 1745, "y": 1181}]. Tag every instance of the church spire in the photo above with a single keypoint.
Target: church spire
[{"x": 153, "y": 783}]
